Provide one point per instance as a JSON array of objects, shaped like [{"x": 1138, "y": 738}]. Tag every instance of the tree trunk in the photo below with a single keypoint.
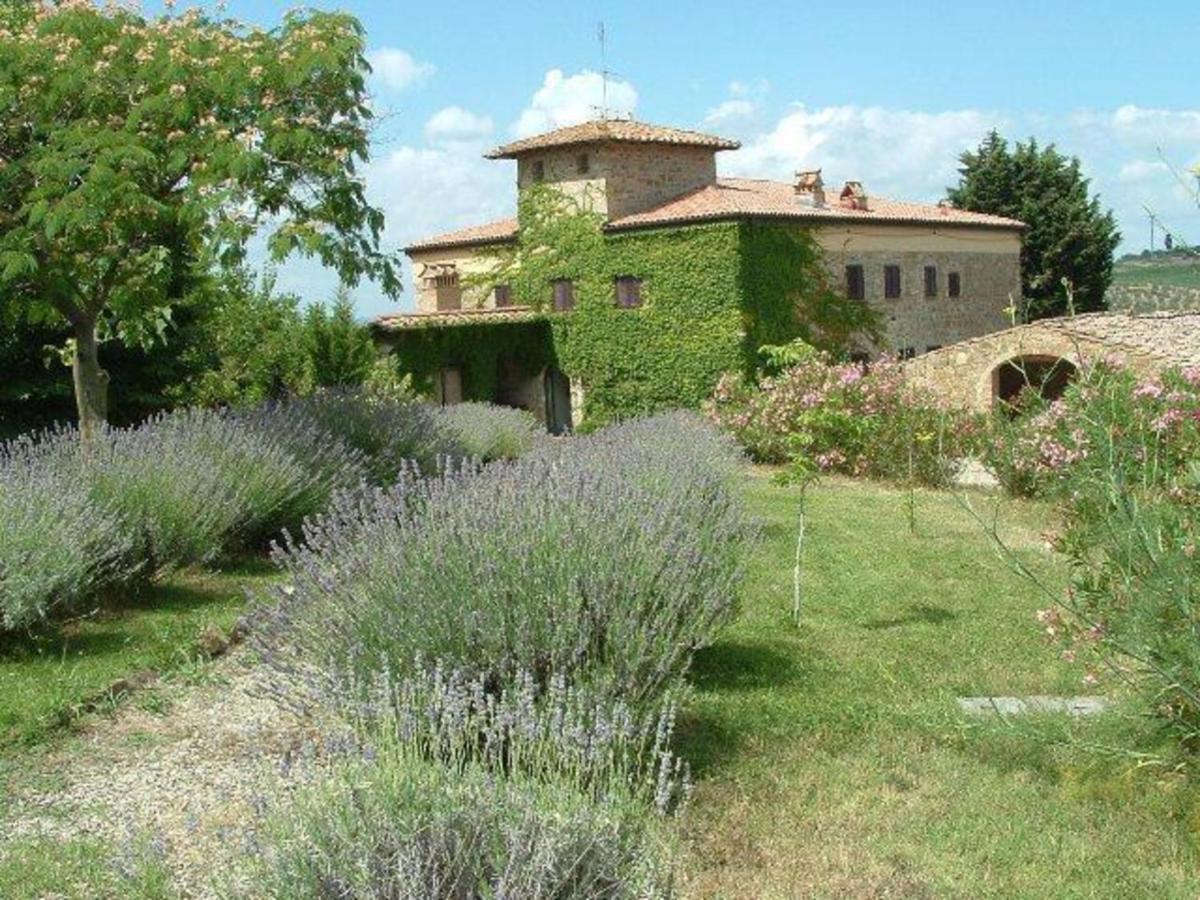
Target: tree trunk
[{"x": 91, "y": 382}]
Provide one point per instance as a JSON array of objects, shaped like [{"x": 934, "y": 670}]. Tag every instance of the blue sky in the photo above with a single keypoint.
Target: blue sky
[{"x": 885, "y": 93}]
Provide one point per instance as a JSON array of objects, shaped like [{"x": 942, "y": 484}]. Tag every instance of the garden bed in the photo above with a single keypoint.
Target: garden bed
[{"x": 831, "y": 758}]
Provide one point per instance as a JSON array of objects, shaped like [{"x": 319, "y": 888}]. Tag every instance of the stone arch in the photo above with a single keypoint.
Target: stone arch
[{"x": 1047, "y": 373}]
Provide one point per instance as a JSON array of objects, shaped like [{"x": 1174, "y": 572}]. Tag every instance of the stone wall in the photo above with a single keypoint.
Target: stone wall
[
  {"x": 965, "y": 374},
  {"x": 988, "y": 265},
  {"x": 621, "y": 178},
  {"x": 466, "y": 261}
]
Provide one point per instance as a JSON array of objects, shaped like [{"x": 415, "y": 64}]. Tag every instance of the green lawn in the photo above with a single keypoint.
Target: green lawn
[
  {"x": 44, "y": 681},
  {"x": 831, "y": 759},
  {"x": 1187, "y": 275}
]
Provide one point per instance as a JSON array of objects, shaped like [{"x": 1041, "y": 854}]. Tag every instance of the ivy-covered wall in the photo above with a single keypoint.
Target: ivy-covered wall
[
  {"x": 670, "y": 350},
  {"x": 712, "y": 294},
  {"x": 476, "y": 349}
]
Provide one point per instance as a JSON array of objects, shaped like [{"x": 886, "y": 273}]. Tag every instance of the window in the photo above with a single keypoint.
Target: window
[
  {"x": 629, "y": 291},
  {"x": 954, "y": 284},
  {"x": 564, "y": 294},
  {"x": 931, "y": 281},
  {"x": 582, "y": 164},
  {"x": 503, "y": 296},
  {"x": 907, "y": 352},
  {"x": 538, "y": 172},
  {"x": 891, "y": 282},
  {"x": 856, "y": 288},
  {"x": 448, "y": 291}
]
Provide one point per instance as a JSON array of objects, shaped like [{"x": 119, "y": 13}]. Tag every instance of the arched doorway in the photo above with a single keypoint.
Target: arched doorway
[{"x": 1047, "y": 375}]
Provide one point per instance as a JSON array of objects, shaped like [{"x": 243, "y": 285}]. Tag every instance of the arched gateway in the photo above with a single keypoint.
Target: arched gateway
[{"x": 1045, "y": 355}]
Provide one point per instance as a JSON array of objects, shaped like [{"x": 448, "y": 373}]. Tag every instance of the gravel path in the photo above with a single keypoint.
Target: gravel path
[{"x": 190, "y": 777}]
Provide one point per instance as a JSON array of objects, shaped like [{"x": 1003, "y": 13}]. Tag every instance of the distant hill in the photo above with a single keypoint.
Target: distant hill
[{"x": 1161, "y": 280}]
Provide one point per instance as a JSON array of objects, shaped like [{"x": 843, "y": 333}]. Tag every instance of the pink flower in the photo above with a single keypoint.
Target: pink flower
[
  {"x": 1150, "y": 389},
  {"x": 1168, "y": 419}
]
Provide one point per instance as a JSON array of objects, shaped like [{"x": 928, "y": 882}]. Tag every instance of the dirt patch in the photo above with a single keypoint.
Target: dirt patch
[{"x": 193, "y": 779}]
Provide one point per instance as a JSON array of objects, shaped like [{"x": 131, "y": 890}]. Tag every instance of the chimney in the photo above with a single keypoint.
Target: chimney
[
  {"x": 810, "y": 189},
  {"x": 853, "y": 196}
]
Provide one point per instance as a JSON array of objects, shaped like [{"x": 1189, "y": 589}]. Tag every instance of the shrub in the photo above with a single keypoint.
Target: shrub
[
  {"x": 1120, "y": 451},
  {"x": 1144, "y": 431},
  {"x": 57, "y": 543},
  {"x": 607, "y": 560},
  {"x": 488, "y": 432},
  {"x": 843, "y": 418},
  {"x": 1132, "y": 607},
  {"x": 190, "y": 485},
  {"x": 398, "y": 826},
  {"x": 388, "y": 433}
]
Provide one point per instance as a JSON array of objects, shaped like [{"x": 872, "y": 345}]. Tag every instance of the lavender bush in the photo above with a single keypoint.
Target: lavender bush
[
  {"x": 488, "y": 432},
  {"x": 57, "y": 544},
  {"x": 607, "y": 560},
  {"x": 389, "y": 433},
  {"x": 557, "y": 732},
  {"x": 402, "y": 828},
  {"x": 193, "y": 484}
]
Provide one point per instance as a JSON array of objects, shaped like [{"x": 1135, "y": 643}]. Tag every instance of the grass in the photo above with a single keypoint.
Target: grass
[
  {"x": 832, "y": 761},
  {"x": 81, "y": 869},
  {"x": 1180, "y": 274},
  {"x": 46, "y": 681}
]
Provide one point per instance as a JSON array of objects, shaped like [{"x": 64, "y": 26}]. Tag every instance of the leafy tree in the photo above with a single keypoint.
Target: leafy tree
[
  {"x": 135, "y": 150},
  {"x": 254, "y": 347},
  {"x": 1069, "y": 235},
  {"x": 340, "y": 349}
]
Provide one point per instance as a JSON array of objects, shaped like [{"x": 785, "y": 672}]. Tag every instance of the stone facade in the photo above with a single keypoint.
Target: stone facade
[
  {"x": 647, "y": 178},
  {"x": 987, "y": 265},
  {"x": 464, "y": 262},
  {"x": 969, "y": 373},
  {"x": 620, "y": 179}
]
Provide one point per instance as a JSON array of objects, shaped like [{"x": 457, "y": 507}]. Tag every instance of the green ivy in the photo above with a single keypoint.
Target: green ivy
[{"x": 712, "y": 294}]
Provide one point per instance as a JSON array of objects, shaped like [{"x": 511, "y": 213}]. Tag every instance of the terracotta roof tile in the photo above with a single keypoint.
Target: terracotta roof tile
[
  {"x": 736, "y": 198},
  {"x": 731, "y": 198},
  {"x": 497, "y": 232},
  {"x": 600, "y": 130},
  {"x": 412, "y": 321}
]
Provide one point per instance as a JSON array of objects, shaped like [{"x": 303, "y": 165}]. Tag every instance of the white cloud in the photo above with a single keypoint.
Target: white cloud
[
  {"x": 900, "y": 153},
  {"x": 453, "y": 123},
  {"x": 571, "y": 99},
  {"x": 1143, "y": 170},
  {"x": 396, "y": 69},
  {"x": 729, "y": 110}
]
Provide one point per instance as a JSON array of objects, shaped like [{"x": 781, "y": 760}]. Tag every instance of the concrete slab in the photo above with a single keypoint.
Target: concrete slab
[{"x": 1016, "y": 706}]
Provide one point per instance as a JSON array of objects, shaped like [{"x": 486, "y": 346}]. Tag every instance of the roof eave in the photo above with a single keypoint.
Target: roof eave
[
  {"x": 455, "y": 244},
  {"x": 806, "y": 220},
  {"x": 508, "y": 151}
]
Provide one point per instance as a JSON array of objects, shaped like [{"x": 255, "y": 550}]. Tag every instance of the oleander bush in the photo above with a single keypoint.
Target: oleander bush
[
  {"x": 606, "y": 560},
  {"x": 1142, "y": 430},
  {"x": 402, "y": 827},
  {"x": 843, "y": 417},
  {"x": 1119, "y": 452},
  {"x": 488, "y": 432},
  {"x": 58, "y": 544}
]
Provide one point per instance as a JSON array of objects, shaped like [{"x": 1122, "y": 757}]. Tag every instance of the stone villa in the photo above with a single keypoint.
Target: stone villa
[{"x": 688, "y": 293}]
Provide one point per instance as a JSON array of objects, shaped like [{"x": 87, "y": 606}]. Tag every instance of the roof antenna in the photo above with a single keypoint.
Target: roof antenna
[{"x": 605, "y": 74}]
